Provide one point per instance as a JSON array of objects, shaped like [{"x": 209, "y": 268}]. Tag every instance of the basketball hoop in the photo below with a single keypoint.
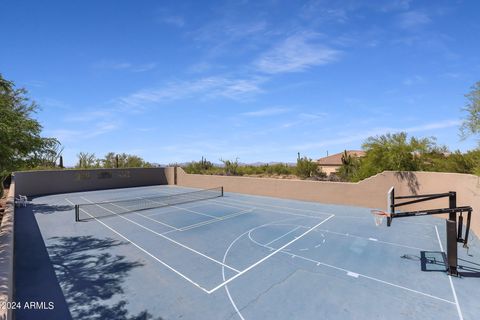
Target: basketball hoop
[{"x": 378, "y": 216}]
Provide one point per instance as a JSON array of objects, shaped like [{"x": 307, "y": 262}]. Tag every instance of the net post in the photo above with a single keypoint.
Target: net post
[
  {"x": 77, "y": 212},
  {"x": 222, "y": 190}
]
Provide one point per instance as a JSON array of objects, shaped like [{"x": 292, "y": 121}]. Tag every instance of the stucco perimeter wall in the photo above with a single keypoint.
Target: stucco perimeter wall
[
  {"x": 169, "y": 175},
  {"x": 369, "y": 193},
  {"x": 33, "y": 183},
  {"x": 6, "y": 254}
]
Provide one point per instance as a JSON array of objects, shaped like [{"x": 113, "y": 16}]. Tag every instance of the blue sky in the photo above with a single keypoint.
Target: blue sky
[{"x": 173, "y": 81}]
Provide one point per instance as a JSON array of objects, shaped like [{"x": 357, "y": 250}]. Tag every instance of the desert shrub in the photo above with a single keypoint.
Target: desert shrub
[{"x": 306, "y": 168}]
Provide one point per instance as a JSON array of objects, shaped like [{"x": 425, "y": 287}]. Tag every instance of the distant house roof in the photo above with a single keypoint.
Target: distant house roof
[{"x": 336, "y": 159}]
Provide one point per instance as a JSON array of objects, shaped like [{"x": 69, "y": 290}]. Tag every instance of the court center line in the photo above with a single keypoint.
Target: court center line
[
  {"x": 273, "y": 210},
  {"x": 223, "y": 218},
  {"x": 225, "y": 258},
  {"x": 396, "y": 221},
  {"x": 283, "y": 235},
  {"x": 144, "y": 250},
  {"x": 170, "y": 209},
  {"x": 268, "y": 256},
  {"x": 281, "y": 207},
  {"x": 274, "y": 206},
  {"x": 459, "y": 311},
  {"x": 165, "y": 237},
  {"x": 347, "y": 271},
  {"x": 203, "y": 223},
  {"x": 309, "y": 210},
  {"x": 146, "y": 217},
  {"x": 180, "y": 208},
  {"x": 372, "y": 239}
]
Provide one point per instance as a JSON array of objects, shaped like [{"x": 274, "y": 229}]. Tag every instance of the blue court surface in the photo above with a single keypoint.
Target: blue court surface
[{"x": 235, "y": 257}]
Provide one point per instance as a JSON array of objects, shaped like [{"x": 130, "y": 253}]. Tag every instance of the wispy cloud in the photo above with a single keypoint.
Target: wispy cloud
[
  {"x": 362, "y": 135},
  {"x": 319, "y": 11},
  {"x": 123, "y": 65},
  {"x": 54, "y": 103},
  {"x": 304, "y": 119},
  {"x": 296, "y": 53},
  {"x": 226, "y": 37},
  {"x": 265, "y": 112},
  {"x": 88, "y": 116},
  {"x": 144, "y": 67},
  {"x": 204, "y": 88},
  {"x": 394, "y": 5},
  {"x": 413, "y": 19},
  {"x": 36, "y": 84},
  {"x": 432, "y": 126},
  {"x": 226, "y": 31},
  {"x": 149, "y": 129},
  {"x": 414, "y": 80},
  {"x": 94, "y": 130},
  {"x": 176, "y": 21}
]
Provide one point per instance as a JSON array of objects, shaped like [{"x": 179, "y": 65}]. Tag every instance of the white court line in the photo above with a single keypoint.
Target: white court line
[
  {"x": 268, "y": 256},
  {"x": 272, "y": 210},
  {"x": 459, "y": 311},
  {"x": 372, "y": 239},
  {"x": 145, "y": 251},
  {"x": 200, "y": 224},
  {"x": 146, "y": 217},
  {"x": 366, "y": 217},
  {"x": 225, "y": 258},
  {"x": 165, "y": 237},
  {"x": 180, "y": 208},
  {"x": 309, "y": 210},
  {"x": 273, "y": 206},
  {"x": 318, "y": 263},
  {"x": 191, "y": 205},
  {"x": 283, "y": 235}
]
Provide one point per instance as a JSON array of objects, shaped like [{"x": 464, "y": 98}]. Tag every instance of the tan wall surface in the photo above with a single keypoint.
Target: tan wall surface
[
  {"x": 32, "y": 183},
  {"x": 369, "y": 193},
  {"x": 329, "y": 169},
  {"x": 6, "y": 253},
  {"x": 170, "y": 175}
]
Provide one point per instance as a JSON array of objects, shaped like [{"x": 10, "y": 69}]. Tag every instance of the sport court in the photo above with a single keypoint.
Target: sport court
[{"x": 234, "y": 257}]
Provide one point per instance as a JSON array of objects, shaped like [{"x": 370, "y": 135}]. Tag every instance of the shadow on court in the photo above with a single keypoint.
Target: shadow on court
[
  {"x": 90, "y": 276},
  {"x": 435, "y": 261},
  {"x": 49, "y": 209}
]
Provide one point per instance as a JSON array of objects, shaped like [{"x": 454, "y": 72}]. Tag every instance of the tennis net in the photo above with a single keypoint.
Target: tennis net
[{"x": 95, "y": 210}]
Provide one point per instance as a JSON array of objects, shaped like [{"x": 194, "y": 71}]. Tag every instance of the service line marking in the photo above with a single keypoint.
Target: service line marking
[
  {"x": 283, "y": 235},
  {"x": 459, "y": 311},
  {"x": 320, "y": 263},
  {"x": 145, "y": 251},
  {"x": 165, "y": 237},
  {"x": 268, "y": 256}
]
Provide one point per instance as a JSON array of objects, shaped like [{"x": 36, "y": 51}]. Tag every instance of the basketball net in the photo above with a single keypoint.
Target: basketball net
[{"x": 378, "y": 216}]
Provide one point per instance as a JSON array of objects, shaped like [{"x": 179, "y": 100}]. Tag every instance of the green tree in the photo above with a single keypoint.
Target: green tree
[
  {"x": 307, "y": 168},
  {"x": 124, "y": 161},
  {"x": 230, "y": 167},
  {"x": 349, "y": 167},
  {"x": 21, "y": 143},
  {"x": 394, "y": 152},
  {"x": 87, "y": 160},
  {"x": 201, "y": 167},
  {"x": 110, "y": 160},
  {"x": 471, "y": 125},
  {"x": 48, "y": 157}
]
